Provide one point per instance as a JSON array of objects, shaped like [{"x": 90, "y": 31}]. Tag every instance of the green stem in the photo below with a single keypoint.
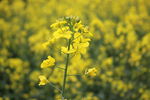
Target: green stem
[
  {"x": 55, "y": 87},
  {"x": 75, "y": 75},
  {"x": 60, "y": 68},
  {"x": 65, "y": 72}
]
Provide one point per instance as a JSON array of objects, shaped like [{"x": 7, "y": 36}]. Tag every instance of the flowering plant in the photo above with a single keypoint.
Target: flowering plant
[{"x": 77, "y": 36}]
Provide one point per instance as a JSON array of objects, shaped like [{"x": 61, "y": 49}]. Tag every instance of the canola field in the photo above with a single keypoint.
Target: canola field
[{"x": 74, "y": 50}]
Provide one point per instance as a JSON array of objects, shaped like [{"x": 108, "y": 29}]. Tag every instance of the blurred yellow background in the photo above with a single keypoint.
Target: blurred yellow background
[{"x": 119, "y": 49}]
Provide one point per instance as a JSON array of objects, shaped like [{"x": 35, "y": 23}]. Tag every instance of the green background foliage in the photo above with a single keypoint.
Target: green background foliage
[{"x": 120, "y": 49}]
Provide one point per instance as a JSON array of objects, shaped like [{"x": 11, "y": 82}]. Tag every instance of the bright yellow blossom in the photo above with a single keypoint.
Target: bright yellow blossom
[
  {"x": 62, "y": 33},
  {"x": 78, "y": 26},
  {"x": 81, "y": 47},
  {"x": 65, "y": 50},
  {"x": 48, "y": 62},
  {"x": 43, "y": 80},
  {"x": 58, "y": 24},
  {"x": 91, "y": 72}
]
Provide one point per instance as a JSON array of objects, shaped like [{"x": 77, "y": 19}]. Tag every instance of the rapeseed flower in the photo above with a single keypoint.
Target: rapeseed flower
[
  {"x": 91, "y": 72},
  {"x": 65, "y": 50},
  {"x": 72, "y": 29},
  {"x": 58, "y": 24},
  {"x": 43, "y": 80},
  {"x": 50, "y": 61}
]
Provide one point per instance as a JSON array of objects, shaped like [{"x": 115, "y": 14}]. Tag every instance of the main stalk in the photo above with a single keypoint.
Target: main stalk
[{"x": 65, "y": 72}]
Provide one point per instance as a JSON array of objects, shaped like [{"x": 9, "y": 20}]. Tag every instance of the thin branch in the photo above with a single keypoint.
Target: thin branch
[
  {"x": 55, "y": 87},
  {"x": 75, "y": 75},
  {"x": 60, "y": 68}
]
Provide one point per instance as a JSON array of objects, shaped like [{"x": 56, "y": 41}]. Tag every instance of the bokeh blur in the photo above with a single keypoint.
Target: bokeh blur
[{"x": 119, "y": 49}]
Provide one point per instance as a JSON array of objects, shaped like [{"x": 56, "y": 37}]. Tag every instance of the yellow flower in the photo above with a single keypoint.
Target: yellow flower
[
  {"x": 67, "y": 35},
  {"x": 62, "y": 33},
  {"x": 91, "y": 72},
  {"x": 78, "y": 26},
  {"x": 57, "y": 34},
  {"x": 43, "y": 80},
  {"x": 58, "y": 24},
  {"x": 80, "y": 47},
  {"x": 48, "y": 62},
  {"x": 65, "y": 50}
]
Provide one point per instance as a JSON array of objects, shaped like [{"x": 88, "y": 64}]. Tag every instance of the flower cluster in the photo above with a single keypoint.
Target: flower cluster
[
  {"x": 77, "y": 36},
  {"x": 50, "y": 61},
  {"x": 72, "y": 29}
]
